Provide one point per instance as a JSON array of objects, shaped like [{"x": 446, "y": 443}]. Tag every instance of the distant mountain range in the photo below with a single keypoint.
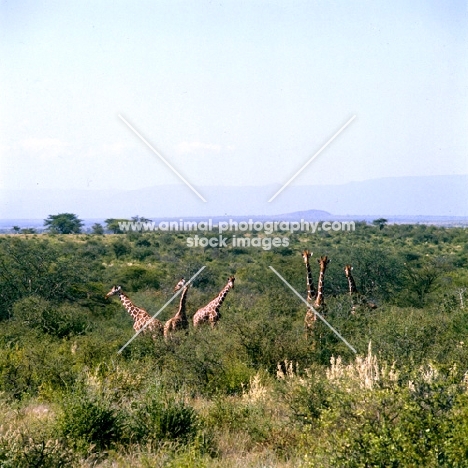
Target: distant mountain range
[{"x": 424, "y": 197}]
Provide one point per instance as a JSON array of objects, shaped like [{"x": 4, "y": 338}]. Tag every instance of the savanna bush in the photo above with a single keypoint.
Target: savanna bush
[
  {"x": 20, "y": 449},
  {"x": 366, "y": 414},
  {"x": 29, "y": 367},
  {"x": 121, "y": 248},
  {"x": 160, "y": 418},
  {"x": 235, "y": 415},
  {"x": 28, "y": 438},
  {"x": 89, "y": 420},
  {"x": 135, "y": 277},
  {"x": 60, "y": 321},
  {"x": 41, "y": 268}
]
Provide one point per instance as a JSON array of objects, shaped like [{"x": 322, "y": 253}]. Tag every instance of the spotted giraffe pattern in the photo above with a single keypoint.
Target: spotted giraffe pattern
[
  {"x": 310, "y": 317},
  {"x": 311, "y": 292},
  {"x": 319, "y": 301},
  {"x": 179, "y": 321},
  {"x": 319, "y": 304},
  {"x": 210, "y": 313},
  {"x": 140, "y": 316}
]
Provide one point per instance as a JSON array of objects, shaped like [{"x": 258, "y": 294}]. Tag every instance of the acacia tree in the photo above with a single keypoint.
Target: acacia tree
[
  {"x": 97, "y": 229},
  {"x": 422, "y": 278},
  {"x": 140, "y": 219},
  {"x": 381, "y": 222},
  {"x": 63, "y": 223},
  {"x": 112, "y": 224}
]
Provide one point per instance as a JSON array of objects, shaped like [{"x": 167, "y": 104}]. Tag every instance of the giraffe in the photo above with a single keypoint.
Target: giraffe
[
  {"x": 351, "y": 286},
  {"x": 311, "y": 292},
  {"x": 179, "y": 321},
  {"x": 140, "y": 316},
  {"x": 319, "y": 303},
  {"x": 323, "y": 262},
  {"x": 210, "y": 313},
  {"x": 351, "y": 283},
  {"x": 353, "y": 292},
  {"x": 310, "y": 317}
]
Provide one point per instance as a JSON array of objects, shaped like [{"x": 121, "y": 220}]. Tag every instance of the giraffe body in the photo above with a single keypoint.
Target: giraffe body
[
  {"x": 179, "y": 321},
  {"x": 140, "y": 317},
  {"x": 210, "y": 313}
]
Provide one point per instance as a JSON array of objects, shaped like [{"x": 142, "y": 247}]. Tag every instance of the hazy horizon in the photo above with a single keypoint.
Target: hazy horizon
[
  {"x": 404, "y": 196},
  {"x": 231, "y": 94}
]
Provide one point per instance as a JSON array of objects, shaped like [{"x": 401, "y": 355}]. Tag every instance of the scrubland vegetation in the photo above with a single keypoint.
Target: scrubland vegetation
[{"x": 254, "y": 391}]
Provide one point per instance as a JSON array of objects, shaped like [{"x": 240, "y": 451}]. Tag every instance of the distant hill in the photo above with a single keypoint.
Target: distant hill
[{"x": 393, "y": 196}]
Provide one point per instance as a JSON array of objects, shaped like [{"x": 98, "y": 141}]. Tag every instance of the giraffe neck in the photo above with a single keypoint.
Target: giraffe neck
[
  {"x": 351, "y": 284},
  {"x": 311, "y": 293},
  {"x": 217, "y": 301},
  {"x": 319, "y": 298},
  {"x": 183, "y": 299},
  {"x": 134, "y": 311}
]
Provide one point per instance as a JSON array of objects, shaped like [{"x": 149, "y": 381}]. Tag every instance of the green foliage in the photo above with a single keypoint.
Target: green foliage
[
  {"x": 63, "y": 223},
  {"x": 381, "y": 222},
  {"x": 198, "y": 400},
  {"x": 156, "y": 419},
  {"x": 98, "y": 229},
  {"x": 112, "y": 224},
  {"x": 64, "y": 321},
  {"x": 25, "y": 448},
  {"x": 40, "y": 268},
  {"x": 121, "y": 248},
  {"x": 423, "y": 277},
  {"x": 89, "y": 420},
  {"x": 135, "y": 277}
]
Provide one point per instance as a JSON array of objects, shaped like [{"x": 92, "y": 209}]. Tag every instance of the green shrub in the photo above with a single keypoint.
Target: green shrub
[
  {"x": 41, "y": 268},
  {"x": 308, "y": 398},
  {"x": 63, "y": 321},
  {"x": 237, "y": 416},
  {"x": 88, "y": 420},
  {"x": 156, "y": 419},
  {"x": 19, "y": 449},
  {"x": 456, "y": 442},
  {"x": 121, "y": 248},
  {"x": 134, "y": 278},
  {"x": 141, "y": 253}
]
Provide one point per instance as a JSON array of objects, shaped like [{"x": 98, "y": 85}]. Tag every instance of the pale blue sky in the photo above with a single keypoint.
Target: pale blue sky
[{"x": 231, "y": 93}]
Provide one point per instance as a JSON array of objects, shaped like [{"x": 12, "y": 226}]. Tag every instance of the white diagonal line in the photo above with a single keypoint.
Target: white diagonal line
[
  {"x": 161, "y": 309},
  {"x": 311, "y": 159},
  {"x": 314, "y": 311},
  {"x": 162, "y": 159}
]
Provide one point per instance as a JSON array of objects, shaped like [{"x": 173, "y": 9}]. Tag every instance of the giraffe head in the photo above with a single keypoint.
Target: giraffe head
[
  {"x": 347, "y": 269},
  {"x": 180, "y": 284},
  {"x": 231, "y": 280},
  {"x": 306, "y": 254},
  {"x": 323, "y": 262},
  {"x": 115, "y": 290}
]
